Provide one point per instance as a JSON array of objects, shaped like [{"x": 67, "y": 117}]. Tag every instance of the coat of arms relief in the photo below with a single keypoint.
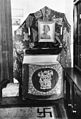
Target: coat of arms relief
[{"x": 45, "y": 79}]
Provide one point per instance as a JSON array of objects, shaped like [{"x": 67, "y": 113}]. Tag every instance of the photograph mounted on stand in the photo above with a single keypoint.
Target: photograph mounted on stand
[{"x": 46, "y": 30}]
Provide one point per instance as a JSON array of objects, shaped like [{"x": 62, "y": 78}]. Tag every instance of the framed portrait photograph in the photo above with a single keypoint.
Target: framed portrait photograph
[{"x": 46, "y": 31}]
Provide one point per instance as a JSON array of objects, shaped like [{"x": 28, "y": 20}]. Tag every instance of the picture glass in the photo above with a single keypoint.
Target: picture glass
[{"x": 46, "y": 31}]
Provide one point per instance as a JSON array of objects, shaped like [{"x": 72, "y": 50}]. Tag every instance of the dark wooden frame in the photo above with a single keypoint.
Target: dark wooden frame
[{"x": 77, "y": 34}]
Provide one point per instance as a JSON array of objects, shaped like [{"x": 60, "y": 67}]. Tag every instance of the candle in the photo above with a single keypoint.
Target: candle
[
  {"x": 61, "y": 30},
  {"x": 29, "y": 31}
]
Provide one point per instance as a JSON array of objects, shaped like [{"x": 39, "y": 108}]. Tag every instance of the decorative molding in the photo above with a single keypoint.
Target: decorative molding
[{"x": 58, "y": 87}]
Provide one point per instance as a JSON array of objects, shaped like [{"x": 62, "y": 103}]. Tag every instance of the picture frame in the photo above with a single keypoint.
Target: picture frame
[{"x": 46, "y": 31}]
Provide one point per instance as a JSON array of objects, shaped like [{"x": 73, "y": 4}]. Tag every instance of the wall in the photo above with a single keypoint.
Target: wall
[
  {"x": 69, "y": 16},
  {"x": 30, "y": 6}
]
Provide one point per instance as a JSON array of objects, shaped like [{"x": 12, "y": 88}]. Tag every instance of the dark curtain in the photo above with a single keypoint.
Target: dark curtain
[{"x": 6, "y": 45}]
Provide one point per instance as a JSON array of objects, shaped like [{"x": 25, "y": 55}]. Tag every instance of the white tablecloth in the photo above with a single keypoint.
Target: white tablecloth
[{"x": 40, "y": 59}]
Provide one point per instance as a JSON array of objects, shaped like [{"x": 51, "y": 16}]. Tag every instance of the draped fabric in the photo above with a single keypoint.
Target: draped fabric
[
  {"x": 30, "y": 27},
  {"x": 6, "y": 47}
]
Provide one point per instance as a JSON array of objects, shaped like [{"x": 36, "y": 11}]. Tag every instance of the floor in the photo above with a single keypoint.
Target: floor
[
  {"x": 12, "y": 107},
  {"x": 15, "y": 108},
  {"x": 27, "y": 113}
]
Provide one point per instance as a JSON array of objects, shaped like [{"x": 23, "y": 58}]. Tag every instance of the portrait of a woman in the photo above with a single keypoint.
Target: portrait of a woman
[{"x": 45, "y": 34}]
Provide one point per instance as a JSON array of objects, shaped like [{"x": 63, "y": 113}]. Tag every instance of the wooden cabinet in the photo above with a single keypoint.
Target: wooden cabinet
[
  {"x": 73, "y": 92},
  {"x": 77, "y": 34}
]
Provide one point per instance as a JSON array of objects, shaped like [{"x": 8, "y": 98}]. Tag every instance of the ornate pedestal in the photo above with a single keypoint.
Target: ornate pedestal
[{"x": 42, "y": 77}]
